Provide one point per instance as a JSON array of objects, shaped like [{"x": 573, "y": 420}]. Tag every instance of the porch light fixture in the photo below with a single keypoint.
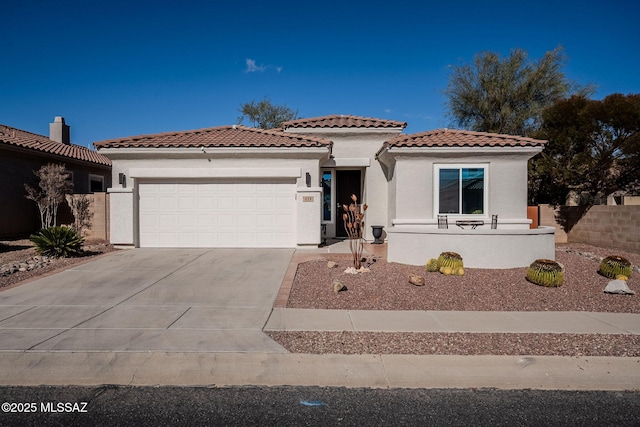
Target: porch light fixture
[{"x": 308, "y": 179}]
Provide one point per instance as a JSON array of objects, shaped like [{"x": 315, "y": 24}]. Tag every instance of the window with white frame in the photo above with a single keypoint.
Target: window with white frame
[
  {"x": 461, "y": 189},
  {"x": 96, "y": 183}
]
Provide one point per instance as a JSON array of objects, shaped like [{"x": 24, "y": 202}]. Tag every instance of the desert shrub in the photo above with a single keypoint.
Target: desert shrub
[
  {"x": 80, "y": 206},
  {"x": 52, "y": 185},
  {"x": 59, "y": 241},
  {"x": 615, "y": 265},
  {"x": 545, "y": 272}
]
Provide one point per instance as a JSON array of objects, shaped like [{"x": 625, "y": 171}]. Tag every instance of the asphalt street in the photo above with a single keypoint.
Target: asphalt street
[{"x": 313, "y": 406}]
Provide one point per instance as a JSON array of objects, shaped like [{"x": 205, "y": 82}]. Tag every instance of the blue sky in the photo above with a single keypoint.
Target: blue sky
[{"x": 123, "y": 68}]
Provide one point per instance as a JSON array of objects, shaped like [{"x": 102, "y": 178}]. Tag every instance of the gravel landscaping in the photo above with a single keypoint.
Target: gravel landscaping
[
  {"x": 386, "y": 287},
  {"x": 19, "y": 261}
]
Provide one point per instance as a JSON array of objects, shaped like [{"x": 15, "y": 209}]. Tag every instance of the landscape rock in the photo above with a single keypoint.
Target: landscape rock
[
  {"x": 27, "y": 265},
  {"x": 338, "y": 286},
  {"x": 414, "y": 279},
  {"x": 332, "y": 264},
  {"x": 352, "y": 270},
  {"x": 618, "y": 287}
]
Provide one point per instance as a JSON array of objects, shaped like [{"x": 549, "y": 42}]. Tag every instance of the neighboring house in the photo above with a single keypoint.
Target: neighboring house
[
  {"x": 235, "y": 186},
  {"x": 23, "y": 152}
]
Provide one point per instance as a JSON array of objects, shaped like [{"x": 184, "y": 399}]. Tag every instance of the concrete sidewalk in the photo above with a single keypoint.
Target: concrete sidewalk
[
  {"x": 537, "y": 322},
  {"x": 273, "y": 369}
]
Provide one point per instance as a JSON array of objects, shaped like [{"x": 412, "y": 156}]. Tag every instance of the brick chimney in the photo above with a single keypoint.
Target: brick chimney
[{"x": 59, "y": 131}]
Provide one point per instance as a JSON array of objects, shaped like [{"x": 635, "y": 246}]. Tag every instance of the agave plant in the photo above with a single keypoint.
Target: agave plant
[
  {"x": 545, "y": 272},
  {"x": 614, "y": 265},
  {"x": 58, "y": 241}
]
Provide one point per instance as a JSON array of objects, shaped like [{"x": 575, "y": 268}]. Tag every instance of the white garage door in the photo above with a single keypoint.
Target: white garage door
[{"x": 217, "y": 213}]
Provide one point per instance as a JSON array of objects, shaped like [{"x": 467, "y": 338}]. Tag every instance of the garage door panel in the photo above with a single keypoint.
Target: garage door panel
[
  {"x": 187, "y": 203},
  {"x": 216, "y": 214},
  {"x": 207, "y": 202},
  {"x": 166, "y": 221},
  {"x": 226, "y": 203},
  {"x": 246, "y": 203},
  {"x": 264, "y": 203}
]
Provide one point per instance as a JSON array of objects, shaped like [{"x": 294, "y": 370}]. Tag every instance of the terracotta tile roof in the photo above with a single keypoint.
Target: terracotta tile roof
[
  {"x": 222, "y": 136},
  {"x": 461, "y": 138},
  {"x": 342, "y": 121},
  {"x": 23, "y": 139}
]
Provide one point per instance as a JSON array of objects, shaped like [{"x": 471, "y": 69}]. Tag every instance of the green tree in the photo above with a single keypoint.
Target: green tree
[
  {"x": 507, "y": 95},
  {"x": 266, "y": 115},
  {"x": 593, "y": 148}
]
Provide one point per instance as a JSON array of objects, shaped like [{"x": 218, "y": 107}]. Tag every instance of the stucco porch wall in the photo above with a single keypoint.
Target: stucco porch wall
[{"x": 479, "y": 248}]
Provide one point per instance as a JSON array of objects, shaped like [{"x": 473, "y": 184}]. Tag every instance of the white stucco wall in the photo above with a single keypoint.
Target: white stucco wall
[
  {"x": 501, "y": 248},
  {"x": 308, "y": 202},
  {"x": 413, "y": 185},
  {"x": 121, "y": 214}
]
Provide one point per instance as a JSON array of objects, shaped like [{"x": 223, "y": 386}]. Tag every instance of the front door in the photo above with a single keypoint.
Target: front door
[{"x": 347, "y": 183}]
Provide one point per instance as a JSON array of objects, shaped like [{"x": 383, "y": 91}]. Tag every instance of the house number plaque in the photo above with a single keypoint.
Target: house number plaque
[{"x": 307, "y": 199}]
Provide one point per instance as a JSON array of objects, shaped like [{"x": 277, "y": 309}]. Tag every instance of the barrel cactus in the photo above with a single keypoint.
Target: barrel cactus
[
  {"x": 545, "y": 272},
  {"x": 615, "y": 265},
  {"x": 432, "y": 265},
  {"x": 450, "y": 259},
  {"x": 447, "y": 271}
]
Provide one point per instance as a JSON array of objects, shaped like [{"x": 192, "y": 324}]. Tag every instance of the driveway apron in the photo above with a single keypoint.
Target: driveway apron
[{"x": 174, "y": 300}]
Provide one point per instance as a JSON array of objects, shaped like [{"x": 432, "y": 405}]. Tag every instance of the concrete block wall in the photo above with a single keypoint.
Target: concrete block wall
[
  {"x": 548, "y": 218},
  {"x": 609, "y": 226},
  {"x": 100, "y": 222}
]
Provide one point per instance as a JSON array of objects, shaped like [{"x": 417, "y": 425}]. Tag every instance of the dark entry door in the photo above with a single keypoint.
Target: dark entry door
[{"x": 347, "y": 183}]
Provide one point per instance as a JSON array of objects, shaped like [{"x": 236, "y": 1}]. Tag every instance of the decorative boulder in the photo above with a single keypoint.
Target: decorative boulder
[
  {"x": 618, "y": 287},
  {"x": 414, "y": 279},
  {"x": 338, "y": 286},
  {"x": 332, "y": 264}
]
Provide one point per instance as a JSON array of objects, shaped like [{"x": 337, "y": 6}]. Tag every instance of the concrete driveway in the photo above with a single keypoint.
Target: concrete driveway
[{"x": 186, "y": 300}]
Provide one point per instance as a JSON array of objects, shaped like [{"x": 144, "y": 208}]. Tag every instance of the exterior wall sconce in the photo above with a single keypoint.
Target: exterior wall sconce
[
  {"x": 122, "y": 179},
  {"x": 308, "y": 178}
]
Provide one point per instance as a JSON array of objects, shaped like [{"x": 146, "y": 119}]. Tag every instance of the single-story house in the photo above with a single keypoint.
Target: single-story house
[
  {"x": 23, "y": 152},
  {"x": 234, "y": 186}
]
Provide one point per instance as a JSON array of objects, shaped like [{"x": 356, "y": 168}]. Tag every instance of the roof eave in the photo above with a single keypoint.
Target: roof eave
[{"x": 59, "y": 157}]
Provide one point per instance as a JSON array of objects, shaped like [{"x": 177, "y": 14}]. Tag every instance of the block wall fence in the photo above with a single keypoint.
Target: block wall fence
[{"x": 609, "y": 226}]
